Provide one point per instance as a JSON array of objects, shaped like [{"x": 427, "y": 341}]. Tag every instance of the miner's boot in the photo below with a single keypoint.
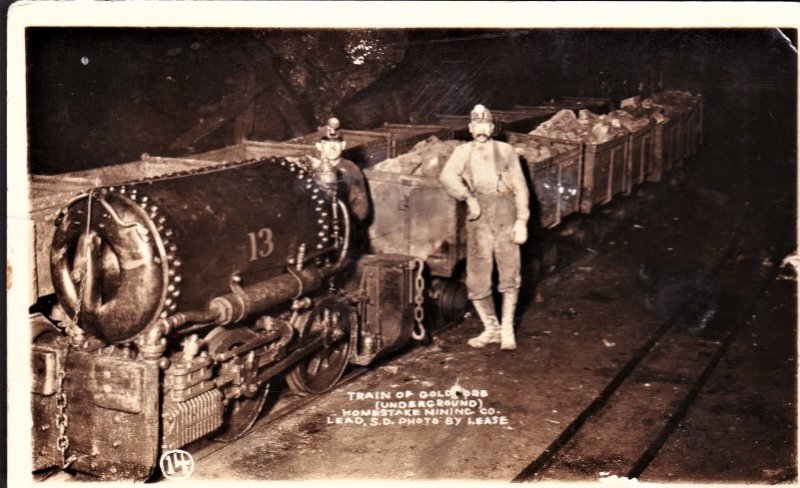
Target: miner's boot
[
  {"x": 491, "y": 329},
  {"x": 507, "y": 341}
]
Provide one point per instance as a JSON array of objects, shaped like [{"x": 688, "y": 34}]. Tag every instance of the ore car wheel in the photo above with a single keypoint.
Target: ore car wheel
[
  {"x": 240, "y": 413},
  {"x": 320, "y": 371},
  {"x": 453, "y": 300}
]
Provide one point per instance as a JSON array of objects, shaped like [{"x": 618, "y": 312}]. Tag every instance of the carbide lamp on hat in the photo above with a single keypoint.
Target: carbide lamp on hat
[
  {"x": 330, "y": 131},
  {"x": 480, "y": 114},
  {"x": 481, "y": 125}
]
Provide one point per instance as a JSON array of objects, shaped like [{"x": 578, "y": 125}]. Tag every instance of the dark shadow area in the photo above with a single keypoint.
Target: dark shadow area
[{"x": 100, "y": 96}]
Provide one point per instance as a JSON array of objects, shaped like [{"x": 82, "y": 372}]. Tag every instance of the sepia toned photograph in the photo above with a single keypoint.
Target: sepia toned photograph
[{"x": 282, "y": 246}]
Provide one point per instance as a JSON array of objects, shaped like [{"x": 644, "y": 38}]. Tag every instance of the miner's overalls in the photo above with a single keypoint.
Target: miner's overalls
[{"x": 489, "y": 238}]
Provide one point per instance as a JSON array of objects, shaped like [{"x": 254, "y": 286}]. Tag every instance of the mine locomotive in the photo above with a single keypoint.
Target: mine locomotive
[{"x": 185, "y": 295}]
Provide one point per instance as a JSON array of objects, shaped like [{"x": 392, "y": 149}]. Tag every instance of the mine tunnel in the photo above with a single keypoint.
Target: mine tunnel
[{"x": 656, "y": 327}]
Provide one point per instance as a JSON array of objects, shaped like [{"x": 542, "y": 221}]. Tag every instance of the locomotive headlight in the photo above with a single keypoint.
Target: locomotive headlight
[{"x": 109, "y": 263}]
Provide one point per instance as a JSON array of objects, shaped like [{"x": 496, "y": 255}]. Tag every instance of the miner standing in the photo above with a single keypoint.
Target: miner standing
[{"x": 486, "y": 174}]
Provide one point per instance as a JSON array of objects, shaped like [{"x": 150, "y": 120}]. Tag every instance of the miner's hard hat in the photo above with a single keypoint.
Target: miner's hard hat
[
  {"x": 480, "y": 114},
  {"x": 330, "y": 131}
]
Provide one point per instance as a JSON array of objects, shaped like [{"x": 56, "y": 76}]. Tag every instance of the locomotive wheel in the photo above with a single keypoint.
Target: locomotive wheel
[
  {"x": 241, "y": 412},
  {"x": 320, "y": 371}
]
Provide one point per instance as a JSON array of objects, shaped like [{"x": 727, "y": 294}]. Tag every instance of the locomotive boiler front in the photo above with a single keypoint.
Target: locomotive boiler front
[{"x": 124, "y": 257}]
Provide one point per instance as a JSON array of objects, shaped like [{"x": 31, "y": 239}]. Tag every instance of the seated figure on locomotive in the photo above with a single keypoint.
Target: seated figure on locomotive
[{"x": 187, "y": 294}]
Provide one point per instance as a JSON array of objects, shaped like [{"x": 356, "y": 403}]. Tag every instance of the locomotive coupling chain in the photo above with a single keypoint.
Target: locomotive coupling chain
[
  {"x": 62, "y": 419},
  {"x": 419, "y": 312}
]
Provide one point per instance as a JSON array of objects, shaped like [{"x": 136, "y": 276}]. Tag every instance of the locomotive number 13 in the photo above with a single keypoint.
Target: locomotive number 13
[{"x": 261, "y": 244}]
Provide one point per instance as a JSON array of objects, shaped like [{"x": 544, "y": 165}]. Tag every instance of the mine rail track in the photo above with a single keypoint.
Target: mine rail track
[{"x": 558, "y": 460}]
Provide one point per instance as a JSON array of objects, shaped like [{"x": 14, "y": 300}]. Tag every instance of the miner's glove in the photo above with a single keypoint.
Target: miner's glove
[
  {"x": 520, "y": 232},
  {"x": 473, "y": 208}
]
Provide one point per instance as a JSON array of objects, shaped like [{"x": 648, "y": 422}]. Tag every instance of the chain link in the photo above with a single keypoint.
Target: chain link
[
  {"x": 62, "y": 419},
  {"x": 419, "y": 298}
]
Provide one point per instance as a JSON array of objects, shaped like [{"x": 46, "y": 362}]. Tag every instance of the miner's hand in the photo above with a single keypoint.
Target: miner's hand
[
  {"x": 520, "y": 232},
  {"x": 473, "y": 208}
]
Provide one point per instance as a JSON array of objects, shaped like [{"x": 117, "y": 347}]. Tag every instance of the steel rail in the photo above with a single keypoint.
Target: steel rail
[
  {"x": 544, "y": 460},
  {"x": 674, "y": 421}
]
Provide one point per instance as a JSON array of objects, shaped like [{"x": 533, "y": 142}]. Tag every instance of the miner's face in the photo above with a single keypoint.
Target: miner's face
[
  {"x": 330, "y": 150},
  {"x": 481, "y": 130}
]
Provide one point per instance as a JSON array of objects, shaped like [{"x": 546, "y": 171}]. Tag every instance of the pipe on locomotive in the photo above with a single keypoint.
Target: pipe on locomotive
[{"x": 251, "y": 299}]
